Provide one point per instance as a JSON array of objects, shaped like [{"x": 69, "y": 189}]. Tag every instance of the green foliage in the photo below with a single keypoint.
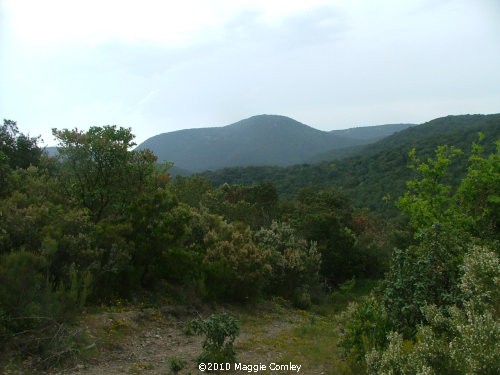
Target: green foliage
[
  {"x": 424, "y": 274},
  {"x": 99, "y": 172},
  {"x": 462, "y": 340},
  {"x": 374, "y": 171},
  {"x": 479, "y": 192},
  {"x": 18, "y": 149},
  {"x": 157, "y": 223},
  {"x": 219, "y": 331},
  {"x": 236, "y": 267},
  {"x": 365, "y": 328},
  {"x": 190, "y": 190},
  {"x": 294, "y": 262},
  {"x": 5, "y": 171},
  {"x": 443, "y": 219},
  {"x": 326, "y": 217},
  {"x": 24, "y": 291},
  {"x": 176, "y": 364},
  {"x": 80, "y": 284},
  {"x": 255, "y": 206},
  {"x": 440, "y": 300},
  {"x": 32, "y": 312},
  {"x": 428, "y": 200}
]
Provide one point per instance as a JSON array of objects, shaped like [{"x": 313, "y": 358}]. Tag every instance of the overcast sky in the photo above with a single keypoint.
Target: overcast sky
[{"x": 158, "y": 66}]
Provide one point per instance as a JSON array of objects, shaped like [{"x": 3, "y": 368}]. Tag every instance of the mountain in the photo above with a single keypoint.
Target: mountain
[
  {"x": 377, "y": 175},
  {"x": 51, "y": 151},
  {"x": 458, "y": 130},
  {"x": 259, "y": 140},
  {"x": 366, "y": 134},
  {"x": 371, "y": 133}
]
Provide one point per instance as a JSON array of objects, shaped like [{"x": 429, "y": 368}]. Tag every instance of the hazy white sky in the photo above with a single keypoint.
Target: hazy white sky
[{"x": 158, "y": 66}]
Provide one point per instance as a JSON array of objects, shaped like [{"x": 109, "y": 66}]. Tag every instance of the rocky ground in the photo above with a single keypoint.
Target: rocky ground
[
  {"x": 142, "y": 341},
  {"x": 126, "y": 339}
]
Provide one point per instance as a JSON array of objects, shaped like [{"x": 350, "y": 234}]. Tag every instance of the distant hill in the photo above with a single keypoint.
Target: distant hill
[
  {"x": 371, "y": 133},
  {"x": 259, "y": 140},
  {"x": 367, "y": 134},
  {"x": 457, "y": 130},
  {"x": 378, "y": 170},
  {"x": 51, "y": 151}
]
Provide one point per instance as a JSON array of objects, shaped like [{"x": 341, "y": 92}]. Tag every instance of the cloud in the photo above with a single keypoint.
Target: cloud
[
  {"x": 93, "y": 22},
  {"x": 326, "y": 63}
]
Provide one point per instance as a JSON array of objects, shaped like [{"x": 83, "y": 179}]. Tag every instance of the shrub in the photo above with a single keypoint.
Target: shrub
[
  {"x": 427, "y": 273},
  {"x": 236, "y": 268},
  {"x": 460, "y": 340},
  {"x": 31, "y": 312},
  {"x": 176, "y": 364},
  {"x": 220, "y": 331},
  {"x": 295, "y": 262},
  {"x": 365, "y": 328}
]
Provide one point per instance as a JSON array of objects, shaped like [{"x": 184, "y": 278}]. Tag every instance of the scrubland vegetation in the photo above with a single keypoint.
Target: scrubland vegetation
[{"x": 101, "y": 223}]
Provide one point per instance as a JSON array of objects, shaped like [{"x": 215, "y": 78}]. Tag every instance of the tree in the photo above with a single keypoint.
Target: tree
[
  {"x": 20, "y": 150},
  {"x": 99, "y": 172},
  {"x": 324, "y": 216},
  {"x": 479, "y": 193},
  {"x": 16, "y": 151},
  {"x": 428, "y": 199},
  {"x": 441, "y": 293}
]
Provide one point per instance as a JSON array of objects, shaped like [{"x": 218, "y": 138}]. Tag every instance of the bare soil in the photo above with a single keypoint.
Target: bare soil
[{"x": 140, "y": 341}]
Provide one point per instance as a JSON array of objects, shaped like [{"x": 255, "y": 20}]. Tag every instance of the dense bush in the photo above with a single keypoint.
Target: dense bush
[
  {"x": 255, "y": 206},
  {"x": 365, "y": 328},
  {"x": 441, "y": 293},
  {"x": 101, "y": 209},
  {"x": 236, "y": 267},
  {"x": 347, "y": 247},
  {"x": 219, "y": 331},
  {"x": 427, "y": 273},
  {"x": 458, "y": 341},
  {"x": 294, "y": 262}
]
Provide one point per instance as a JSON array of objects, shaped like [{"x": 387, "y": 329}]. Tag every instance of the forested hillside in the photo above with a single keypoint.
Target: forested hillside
[
  {"x": 372, "y": 133},
  {"x": 377, "y": 175},
  {"x": 258, "y": 140},
  {"x": 103, "y": 226}
]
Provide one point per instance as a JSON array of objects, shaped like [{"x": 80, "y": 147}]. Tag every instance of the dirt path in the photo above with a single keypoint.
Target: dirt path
[{"x": 140, "y": 341}]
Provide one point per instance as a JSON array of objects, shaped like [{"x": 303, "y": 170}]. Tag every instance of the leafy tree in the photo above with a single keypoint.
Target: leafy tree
[
  {"x": 423, "y": 274},
  {"x": 479, "y": 192},
  {"x": 17, "y": 150},
  {"x": 444, "y": 219},
  {"x": 190, "y": 190},
  {"x": 428, "y": 200},
  {"x": 365, "y": 328},
  {"x": 438, "y": 294},
  {"x": 99, "y": 172},
  {"x": 158, "y": 223},
  {"x": 323, "y": 216},
  {"x": 20, "y": 150},
  {"x": 257, "y": 205}
]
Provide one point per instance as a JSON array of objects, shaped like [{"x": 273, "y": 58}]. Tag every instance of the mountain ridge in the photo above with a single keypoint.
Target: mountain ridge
[
  {"x": 377, "y": 174},
  {"x": 257, "y": 140}
]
